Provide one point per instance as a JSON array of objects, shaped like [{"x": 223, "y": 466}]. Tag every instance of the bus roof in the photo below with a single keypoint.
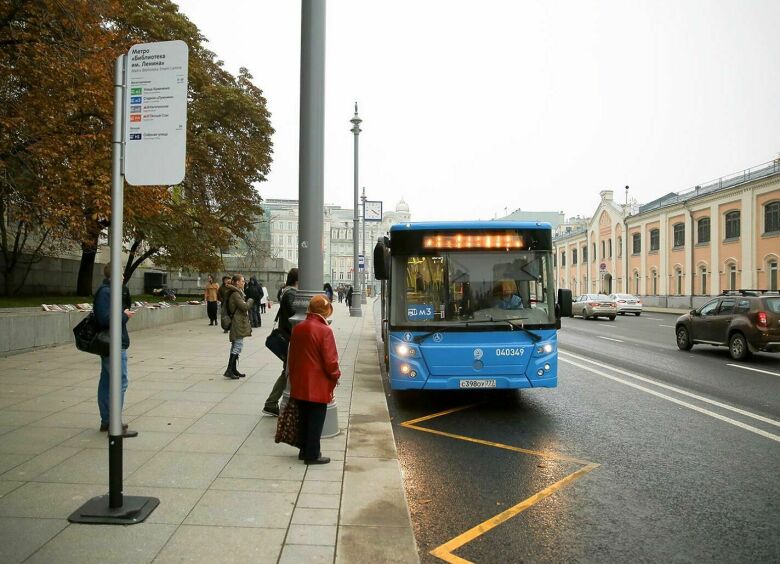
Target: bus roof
[{"x": 465, "y": 225}]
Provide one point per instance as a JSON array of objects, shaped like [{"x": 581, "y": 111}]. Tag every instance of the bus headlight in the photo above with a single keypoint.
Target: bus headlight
[
  {"x": 546, "y": 348},
  {"x": 405, "y": 369},
  {"x": 405, "y": 350}
]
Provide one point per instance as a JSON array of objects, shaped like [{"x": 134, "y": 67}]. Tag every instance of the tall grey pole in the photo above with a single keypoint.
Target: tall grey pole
[
  {"x": 115, "y": 322},
  {"x": 354, "y": 309},
  {"x": 365, "y": 258}
]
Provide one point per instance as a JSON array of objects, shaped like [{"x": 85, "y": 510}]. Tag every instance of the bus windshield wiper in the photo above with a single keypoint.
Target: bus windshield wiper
[{"x": 534, "y": 337}]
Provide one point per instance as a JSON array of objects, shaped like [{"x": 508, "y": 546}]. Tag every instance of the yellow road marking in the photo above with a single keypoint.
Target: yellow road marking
[{"x": 444, "y": 551}]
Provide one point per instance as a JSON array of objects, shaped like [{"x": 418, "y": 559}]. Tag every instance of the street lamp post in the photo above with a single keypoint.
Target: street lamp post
[
  {"x": 354, "y": 309},
  {"x": 365, "y": 260}
]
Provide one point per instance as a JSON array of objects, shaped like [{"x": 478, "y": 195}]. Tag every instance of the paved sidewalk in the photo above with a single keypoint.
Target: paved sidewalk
[{"x": 228, "y": 493}]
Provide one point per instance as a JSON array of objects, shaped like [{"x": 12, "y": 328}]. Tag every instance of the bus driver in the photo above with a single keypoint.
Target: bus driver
[{"x": 507, "y": 295}]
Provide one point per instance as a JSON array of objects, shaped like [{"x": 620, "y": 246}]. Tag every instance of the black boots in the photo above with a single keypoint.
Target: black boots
[
  {"x": 235, "y": 369},
  {"x": 231, "y": 371}
]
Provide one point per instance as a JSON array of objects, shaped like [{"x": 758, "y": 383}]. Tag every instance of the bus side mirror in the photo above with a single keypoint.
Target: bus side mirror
[
  {"x": 382, "y": 259},
  {"x": 564, "y": 302}
]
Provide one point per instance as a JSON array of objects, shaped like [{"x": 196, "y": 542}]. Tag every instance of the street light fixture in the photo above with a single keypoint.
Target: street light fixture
[{"x": 354, "y": 309}]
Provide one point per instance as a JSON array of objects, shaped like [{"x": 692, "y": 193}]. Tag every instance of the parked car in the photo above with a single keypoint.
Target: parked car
[
  {"x": 627, "y": 303},
  {"x": 595, "y": 305},
  {"x": 745, "y": 321}
]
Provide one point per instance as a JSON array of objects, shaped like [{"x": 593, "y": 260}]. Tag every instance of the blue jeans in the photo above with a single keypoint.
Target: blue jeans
[
  {"x": 237, "y": 346},
  {"x": 103, "y": 386}
]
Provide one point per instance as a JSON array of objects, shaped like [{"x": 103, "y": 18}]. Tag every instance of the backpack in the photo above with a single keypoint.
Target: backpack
[{"x": 226, "y": 319}]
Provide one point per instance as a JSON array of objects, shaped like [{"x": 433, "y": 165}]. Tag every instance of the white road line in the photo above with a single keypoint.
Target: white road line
[
  {"x": 753, "y": 369},
  {"x": 655, "y": 318},
  {"x": 671, "y": 326},
  {"x": 609, "y": 339},
  {"x": 676, "y": 390},
  {"x": 734, "y": 422}
]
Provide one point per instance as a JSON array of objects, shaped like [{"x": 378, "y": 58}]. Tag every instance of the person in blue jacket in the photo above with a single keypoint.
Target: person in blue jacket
[{"x": 102, "y": 309}]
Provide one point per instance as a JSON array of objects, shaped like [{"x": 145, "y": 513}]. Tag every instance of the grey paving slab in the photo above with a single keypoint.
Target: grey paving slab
[
  {"x": 358, "y": 545},
  {"x": 256, "y": 485},
  {"x": 49, "y": 501},
  {"x": 322, "y": 535},
  {"x": 38, "y": 464},
  {"x": 47, "y": 404},
  {"x": 7, "y": 429},
  {"x": 179, "y": 470},
  {"x": 70, "y": 420},
  {"x": 163, "y": 424},
  {"x": 297, "y": 553},
  {"x": 264, "y": 467},
  {"x": 34, "y": 440},
  {"x": 172, "y": 408},
  {"x": 319, "y": 501},
  {"x": 321, "y": 487},
  {"x": 311, "y": 516},
  {"x": 8, "y": 461},
  {"x": 7, "y": 486},
  {"x": 197, "y": 544},
  {"x": 194, "y": 442},
  {"x": 175, "y": 503},
  {"x": 19, "y": 538},
  {"x": 19, "y": 418},
  {"x": 225, "y": 424},
  {"x": 252, "y": 408},
  {"x": 90, "y": 466},
  {"x": 243, "y": 509},
  {"x": 142, "y": 407},
  {"x": 371, "y": 436},
  {"x": 78, "y": 544}
]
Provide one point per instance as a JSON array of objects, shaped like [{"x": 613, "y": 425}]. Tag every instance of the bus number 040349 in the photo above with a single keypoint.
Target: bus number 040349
[{"x": 509, "y": 352}]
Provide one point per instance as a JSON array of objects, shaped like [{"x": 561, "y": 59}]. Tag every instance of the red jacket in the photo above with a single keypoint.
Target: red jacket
[{"x": 313, "y": 362}]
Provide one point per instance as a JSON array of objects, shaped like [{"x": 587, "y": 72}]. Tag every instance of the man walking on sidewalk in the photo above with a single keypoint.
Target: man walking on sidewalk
[{"x": 286, "y": 311}]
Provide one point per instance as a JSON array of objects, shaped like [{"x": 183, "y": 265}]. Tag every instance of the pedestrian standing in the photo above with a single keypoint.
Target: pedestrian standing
[
  {"x": 286, "y": 298},
  {"x": 263, "y": 298},
  {"x": 210, "y": 295},
  {"x": 328, "y": 289},
  {"x": 349, "y": 296},
  {"x": 237, "y": 307},
  {"x": 314, "y": 373},
  {"x": 253, "y": 291},
  {"x": 221, "y": 294},
  {"x": 102, "y": 310}
]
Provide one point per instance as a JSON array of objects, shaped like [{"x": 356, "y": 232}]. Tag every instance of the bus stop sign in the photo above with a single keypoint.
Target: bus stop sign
[{"x": 156, "y": 113}]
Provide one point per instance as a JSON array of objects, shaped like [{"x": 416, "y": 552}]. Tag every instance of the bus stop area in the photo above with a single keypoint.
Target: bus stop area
[{"x": 227, "y": 492}]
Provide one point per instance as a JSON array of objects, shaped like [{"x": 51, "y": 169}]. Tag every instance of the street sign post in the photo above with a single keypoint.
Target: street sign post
[
  {"x": 156, "y": 113},
  {"x": 361, "y": 263}
]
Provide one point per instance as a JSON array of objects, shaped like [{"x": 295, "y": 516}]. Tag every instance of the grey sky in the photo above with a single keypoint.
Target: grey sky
[{"x": 473, "y": 107}]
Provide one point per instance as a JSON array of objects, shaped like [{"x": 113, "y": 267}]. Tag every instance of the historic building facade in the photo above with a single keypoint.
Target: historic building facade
[{"x": 681, "y": 248}]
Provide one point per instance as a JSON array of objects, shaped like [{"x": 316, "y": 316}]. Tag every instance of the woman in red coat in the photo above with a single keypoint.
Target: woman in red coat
[{"x": 313, "y": 366}]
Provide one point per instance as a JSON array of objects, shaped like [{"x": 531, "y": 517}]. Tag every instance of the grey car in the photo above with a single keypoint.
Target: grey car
[{"x": 595, "y": 305}]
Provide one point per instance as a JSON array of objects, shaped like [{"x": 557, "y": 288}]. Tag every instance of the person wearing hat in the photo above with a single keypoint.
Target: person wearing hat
[{"x": 313, "y": 366}]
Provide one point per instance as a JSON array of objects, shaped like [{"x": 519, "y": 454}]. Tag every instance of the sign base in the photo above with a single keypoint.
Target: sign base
[{"x": 135, "y": 509}]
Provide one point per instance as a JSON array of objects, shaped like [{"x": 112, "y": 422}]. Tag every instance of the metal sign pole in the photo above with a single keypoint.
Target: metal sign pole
[{"x": 114, "y": 508}]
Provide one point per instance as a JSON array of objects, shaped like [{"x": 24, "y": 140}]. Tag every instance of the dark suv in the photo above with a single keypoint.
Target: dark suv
[{"x": 745, "y": 321}]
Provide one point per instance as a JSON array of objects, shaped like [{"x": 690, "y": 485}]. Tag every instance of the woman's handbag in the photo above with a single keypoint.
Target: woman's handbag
[
  {"x": 288, "y": 423},
  {"x": 91, "y": 338},
  {"x": 277, "y": 342}
]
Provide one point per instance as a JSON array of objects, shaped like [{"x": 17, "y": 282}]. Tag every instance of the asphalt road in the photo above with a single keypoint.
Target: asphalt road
[{"x": 642, "y": 453}]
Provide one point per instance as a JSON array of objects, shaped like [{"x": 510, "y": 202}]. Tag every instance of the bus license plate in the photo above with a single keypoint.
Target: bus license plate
[{"x": 477, "y": 383}]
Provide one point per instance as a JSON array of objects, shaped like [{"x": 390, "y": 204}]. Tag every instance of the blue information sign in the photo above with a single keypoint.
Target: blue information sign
[{"x": 419, "y": 312}]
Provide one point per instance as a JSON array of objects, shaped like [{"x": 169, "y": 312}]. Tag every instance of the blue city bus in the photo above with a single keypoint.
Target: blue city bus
[{"x": 470, "y": 305}]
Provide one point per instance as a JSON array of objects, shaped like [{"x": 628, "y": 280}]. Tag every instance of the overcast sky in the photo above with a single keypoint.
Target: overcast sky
[{"x": 471, "y": 108}]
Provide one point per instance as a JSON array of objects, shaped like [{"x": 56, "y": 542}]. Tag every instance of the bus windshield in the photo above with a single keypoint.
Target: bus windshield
[{"x": 455, "y": 288}]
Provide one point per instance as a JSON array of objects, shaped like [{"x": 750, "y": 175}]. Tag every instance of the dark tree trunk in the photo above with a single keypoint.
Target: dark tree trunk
[{"x": 86, "y": 268}]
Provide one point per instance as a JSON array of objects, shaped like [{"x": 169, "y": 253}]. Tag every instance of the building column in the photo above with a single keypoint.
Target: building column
[
  {"x": 747, "y": 235},
  {"x": 644, "y": 241},
  {"x": 613, "y": 258},
  {"x": 689, "y": 255},
  {"x": 663, "y": 256},
  {"x": 714, "y": 250}
]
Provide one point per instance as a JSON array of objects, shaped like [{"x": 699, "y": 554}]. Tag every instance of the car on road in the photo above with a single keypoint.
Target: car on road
[
  {"x": 627, "y": 303},
  {"x": 745, "y": 321},
  {"x": 595, "y": 305}
]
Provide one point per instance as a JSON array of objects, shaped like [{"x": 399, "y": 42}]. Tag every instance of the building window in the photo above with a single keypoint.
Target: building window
[
  {"x": 620, "y": 247},
  {"x": 603, "y": 254},
  {"x": 555, "y": 259},
  {"x": 703, "y": 228},
  {"x": 289, "y": 226},
  {"x": 655, "y": 243},
  {"x": 584, "y": 253},
  {"x": 574, "y": 256},
  {"x": 563, "y": 258},
  {"x": 703, "y": 278},
  {"x": 732, "y": 225},
  {"x": 679, "y": 234},
  {"x": 732, "y": 269},
  {"x": 654, "y": 276},
  {"x": 609, "y": 247},
  {"x": 636, "y": 282},
  {"x": 772, "y": 217},
  {"x": 772, "y": 267},
  {"x": 678, "y": 281},
  {"x": 594, "y": 252},
  {"x": 636, "y": 243}
]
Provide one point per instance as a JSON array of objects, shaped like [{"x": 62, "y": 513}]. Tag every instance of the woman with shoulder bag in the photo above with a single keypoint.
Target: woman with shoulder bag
[{"x": 237, "y": 307}]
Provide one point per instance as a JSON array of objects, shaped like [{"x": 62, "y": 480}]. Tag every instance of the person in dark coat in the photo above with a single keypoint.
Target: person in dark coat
[
  {"x": 349, "y": 296},
  {"x": 328, "y": 289},
  {"x": 255, "y": 292},
  {"x": 314, "y": 373},
  {"x": 102, "y": 310},
  {"x": 221, "y": 293},
  {"x": 238, "y": 309},
  {"x": 286, "y": 299}
]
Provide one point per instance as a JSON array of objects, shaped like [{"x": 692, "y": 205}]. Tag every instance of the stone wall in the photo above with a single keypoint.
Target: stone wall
[{"x": 25, "y": 329}]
